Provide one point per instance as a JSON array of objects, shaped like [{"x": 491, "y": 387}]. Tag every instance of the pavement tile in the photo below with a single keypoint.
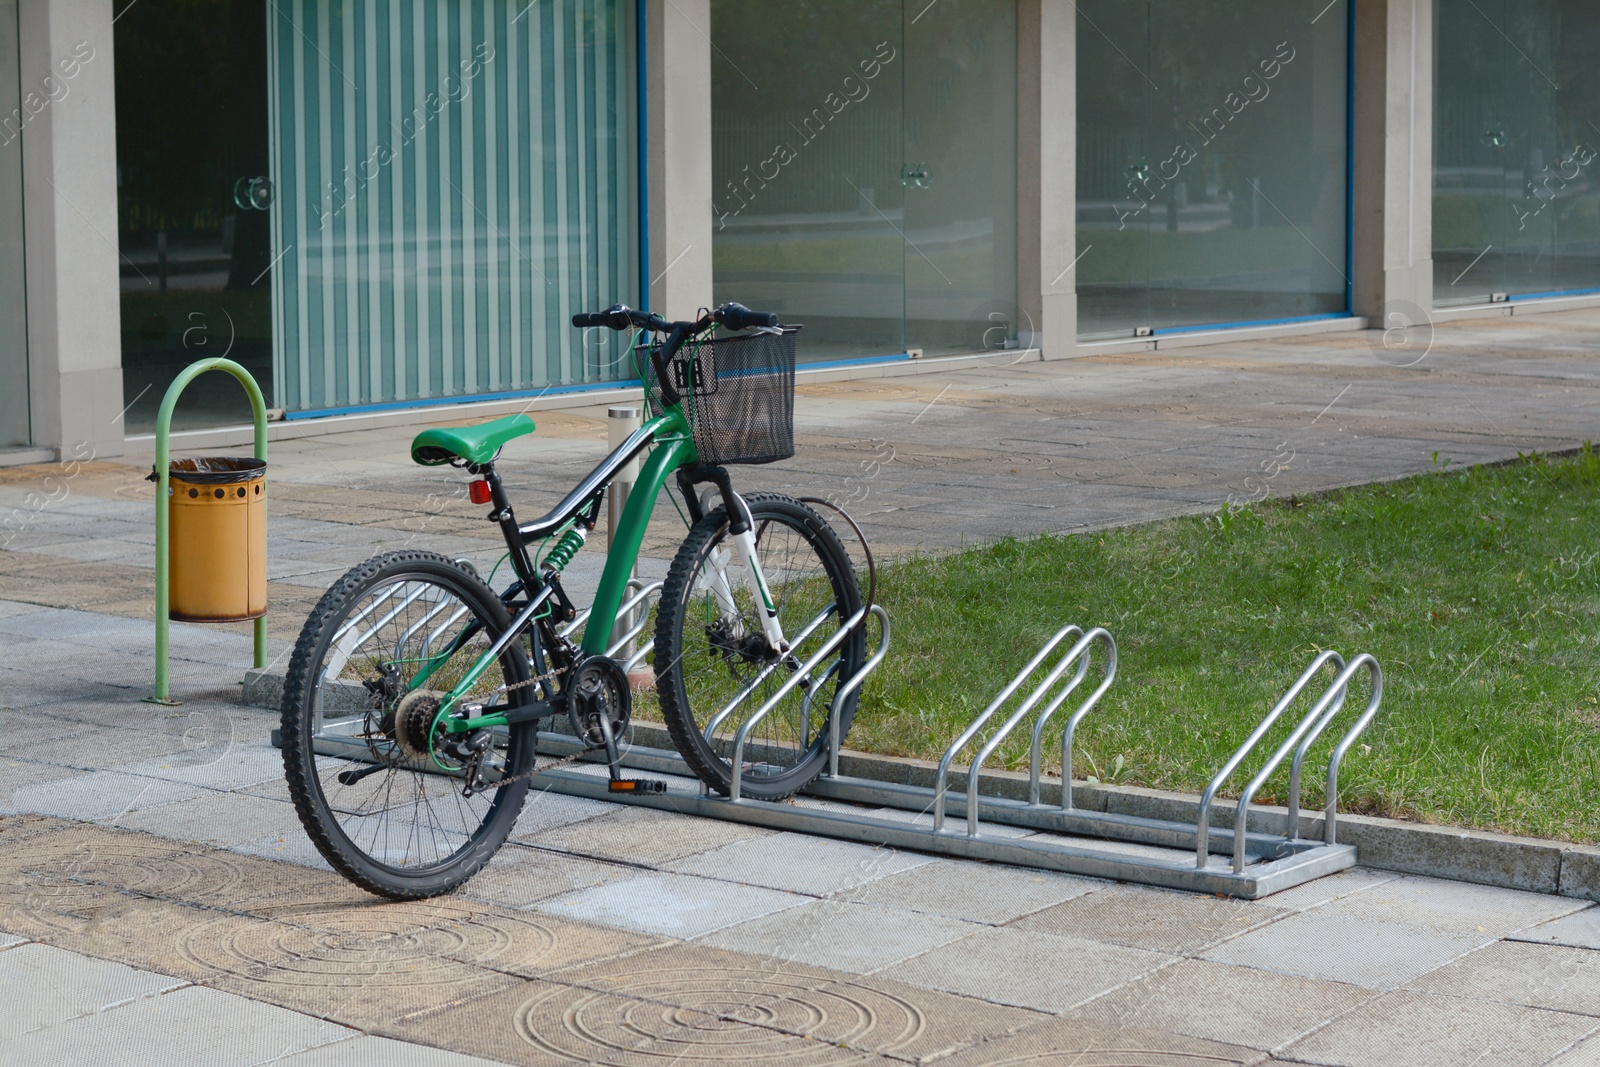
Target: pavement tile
[
  {"x": 366, "y": 1050},
  {"x": 216, "y": 819},
  {"x": 670, "y": 904},
  {"x": 857, "y": 938},
  {"x": 1457, "y": 907},
  {"x": 100, "y": 795},
  {"x": 216, "y": 757},
  {"x": 16, "y": 775},
  {"x": 545, "y": 810},
  {"x": 1072, "y": 1042},
  {"x": 1156, "y": 919},
  {"x": 543, "y": 1023},
  {"x": 1584, "y": 1054},
  {"x": 1328, "y": 888},
  {"x": 1240, "y": 1005},
  {"x": 1341, "y": 948},
  {"x": 1027, "y": 969},
  {"x": 799, "y": 863},
  {"x": 50, "y": 986},
  {"x": 643, "y": 836},
  {"x": 1515, "y": 972},
  {"x": 1579, "y": 930},
  {"x": 192, "y": 1027},
  {"x": 976, "y": 892},
  {"x": 870, "y": 1014},
  {"x": 1406, "y": 1029},
  {"x": 520, "y": 877}
]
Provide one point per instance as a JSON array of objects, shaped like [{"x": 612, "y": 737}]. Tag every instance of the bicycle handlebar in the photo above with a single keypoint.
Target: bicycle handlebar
[
  {"x": 621, "y": 317},
  {"x": 731, "y": 316}
]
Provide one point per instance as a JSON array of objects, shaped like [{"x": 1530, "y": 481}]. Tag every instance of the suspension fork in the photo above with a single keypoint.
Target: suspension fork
[{"x": 741, "y": 531}]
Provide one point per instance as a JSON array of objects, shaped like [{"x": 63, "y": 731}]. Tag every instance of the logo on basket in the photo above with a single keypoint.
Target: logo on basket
[{"x": 696, "y": 376}]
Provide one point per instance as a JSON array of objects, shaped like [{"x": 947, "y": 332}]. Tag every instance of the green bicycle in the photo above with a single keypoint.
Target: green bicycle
[{"x": 415, "y": 691}]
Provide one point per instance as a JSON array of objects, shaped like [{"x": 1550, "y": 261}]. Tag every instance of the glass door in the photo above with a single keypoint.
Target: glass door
[{"x": 959, "y": 177}]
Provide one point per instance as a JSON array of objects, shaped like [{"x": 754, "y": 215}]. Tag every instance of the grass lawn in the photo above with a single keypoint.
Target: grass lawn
[{"x": 1477, "y": 590}]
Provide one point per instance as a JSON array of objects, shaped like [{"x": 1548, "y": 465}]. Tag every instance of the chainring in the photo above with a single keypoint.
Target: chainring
[{"x": 599, "y": 688}]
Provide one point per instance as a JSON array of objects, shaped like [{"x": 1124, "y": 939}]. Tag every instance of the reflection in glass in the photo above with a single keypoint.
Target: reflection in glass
[
  {"x": 194, "y": 264},
  {"x": 864, "y": 170},
  {"x": 808, "y": 205},
  {"x": 1212, "y": 163},
  {"x": 1516, "y": 203}
]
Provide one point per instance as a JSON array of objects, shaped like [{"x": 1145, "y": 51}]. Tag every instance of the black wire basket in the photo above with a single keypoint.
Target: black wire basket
[{"x": 738, "y": 394}]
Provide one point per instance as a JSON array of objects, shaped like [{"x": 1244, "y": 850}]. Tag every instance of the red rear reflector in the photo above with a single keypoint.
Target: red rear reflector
[{"x": 478, "y": 492}]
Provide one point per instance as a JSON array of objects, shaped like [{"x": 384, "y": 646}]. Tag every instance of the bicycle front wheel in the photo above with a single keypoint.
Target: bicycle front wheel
[
  {"x": 710, "y": 655},
  {"x": 380, "y": 788}
]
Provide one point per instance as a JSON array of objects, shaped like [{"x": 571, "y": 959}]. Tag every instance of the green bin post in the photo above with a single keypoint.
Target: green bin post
[{"x": 258, "y": 407}]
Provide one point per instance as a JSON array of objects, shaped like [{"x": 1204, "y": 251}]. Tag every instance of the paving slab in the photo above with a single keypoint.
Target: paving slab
[
  {"x": 1156, "y": 919},
  {"x": 520, "y": 877},
  {"x": 1584, "y": 1054},
  {"x": 1456, "y": 907},
  {"x": 1342, "y": 948},
  {"x": 1580, "y": 930},
  {"x": 192, "y": 1027},
  {"x": 846, "y": 936},
  {"x": 1074, "y": 1042},
  {"x": 48, "y": 986},
  {"x": 799, "y": 863},
  {"x": 544, "y": 1023},
  {"x": 975, "y": 892},
  {"x": 545, "y": 810},
  {"x": 1240, "y": 1005},
  {"x": 216, "y": 819},
  {"x": 643, "y": 836},
  {"x": 1515, "y": 972},
  {"x": 217, "y": 754},
  {"x": 366, "y": 1051},
  {"x": 100, "y": 795},
  {"x": 1405, "y": 1029},
  {"x": 1027, "y": 969},
  {"x": 873, "y": 1014},
  {"x": 671, "y": 904},
  {"x": 1328, "y": 888}
]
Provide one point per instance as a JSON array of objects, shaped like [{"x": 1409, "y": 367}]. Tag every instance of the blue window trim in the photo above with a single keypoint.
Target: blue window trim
[
  {"x": 1551, "y": 294},
  {"x": 642, "y": 118}
]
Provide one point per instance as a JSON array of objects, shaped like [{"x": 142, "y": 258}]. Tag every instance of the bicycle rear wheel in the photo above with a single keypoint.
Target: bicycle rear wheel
[
  {"x": 709, "y": 651},
  {"x": 379, "y": 788}
]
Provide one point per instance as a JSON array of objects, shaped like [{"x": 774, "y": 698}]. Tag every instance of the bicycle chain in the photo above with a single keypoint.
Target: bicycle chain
[{"x": 558, "y": 764}]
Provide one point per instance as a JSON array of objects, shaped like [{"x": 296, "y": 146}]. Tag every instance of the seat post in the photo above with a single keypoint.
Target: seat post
[{"x": 507, "y": 519}]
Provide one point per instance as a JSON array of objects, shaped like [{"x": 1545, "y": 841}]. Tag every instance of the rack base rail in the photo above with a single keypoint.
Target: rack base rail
[{"x": 1197, "y": 857}]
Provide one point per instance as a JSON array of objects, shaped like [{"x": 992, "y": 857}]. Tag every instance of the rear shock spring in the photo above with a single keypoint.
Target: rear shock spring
[{"x": 561, "y": 554}]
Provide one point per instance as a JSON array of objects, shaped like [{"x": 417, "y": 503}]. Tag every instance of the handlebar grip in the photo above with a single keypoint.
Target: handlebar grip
[
  {"x": 585, "y": 319},
  {"x": 738, "y": 317}
]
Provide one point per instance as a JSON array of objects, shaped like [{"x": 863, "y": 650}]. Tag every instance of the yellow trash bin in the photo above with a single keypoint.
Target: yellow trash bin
[{"x": 218, "y": 546}]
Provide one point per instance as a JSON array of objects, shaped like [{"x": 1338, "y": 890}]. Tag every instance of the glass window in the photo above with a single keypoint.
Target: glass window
[
  {"x": 864, "y": 170},
  {"x": 1213, "y": 156},
  {"x": 1516, "y": 204},
  {"x": 195, "y": 256},
  {"x": 453, "y": 181},
  {"x": 14, "y": 429}
]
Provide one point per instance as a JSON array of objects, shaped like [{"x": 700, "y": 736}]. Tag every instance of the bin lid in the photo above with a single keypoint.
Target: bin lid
[{"x": 215, "y": 470}]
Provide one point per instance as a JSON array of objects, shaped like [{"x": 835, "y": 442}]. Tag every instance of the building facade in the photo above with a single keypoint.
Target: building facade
[{"x": 384, "y": 206}]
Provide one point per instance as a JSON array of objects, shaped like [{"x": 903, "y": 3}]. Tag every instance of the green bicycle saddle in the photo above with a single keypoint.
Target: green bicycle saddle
[{"x": 475, "y": 444}]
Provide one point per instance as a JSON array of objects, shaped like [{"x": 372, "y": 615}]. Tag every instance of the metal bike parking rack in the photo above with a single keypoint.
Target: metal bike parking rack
[
  {"x": 1031, "y": 832},
  {"x": 1179, "y": 855}
]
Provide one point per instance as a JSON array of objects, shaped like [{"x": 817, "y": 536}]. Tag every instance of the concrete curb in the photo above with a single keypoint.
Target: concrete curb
[{"x": 1529, "y": 864}]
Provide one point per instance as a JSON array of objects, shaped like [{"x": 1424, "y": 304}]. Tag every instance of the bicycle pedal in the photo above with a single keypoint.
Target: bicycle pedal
[{"x": 638, "y": 785}]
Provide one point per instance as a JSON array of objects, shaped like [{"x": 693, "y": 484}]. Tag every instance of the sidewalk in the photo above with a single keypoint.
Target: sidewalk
[{"x": 158, "y": 898}]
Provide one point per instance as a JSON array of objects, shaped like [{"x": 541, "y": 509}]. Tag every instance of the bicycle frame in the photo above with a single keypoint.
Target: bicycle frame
[{"x": 674, "y": 449}]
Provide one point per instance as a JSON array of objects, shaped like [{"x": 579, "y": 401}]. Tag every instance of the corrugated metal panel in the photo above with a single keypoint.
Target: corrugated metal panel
[{"x": 455, "y": 178}]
